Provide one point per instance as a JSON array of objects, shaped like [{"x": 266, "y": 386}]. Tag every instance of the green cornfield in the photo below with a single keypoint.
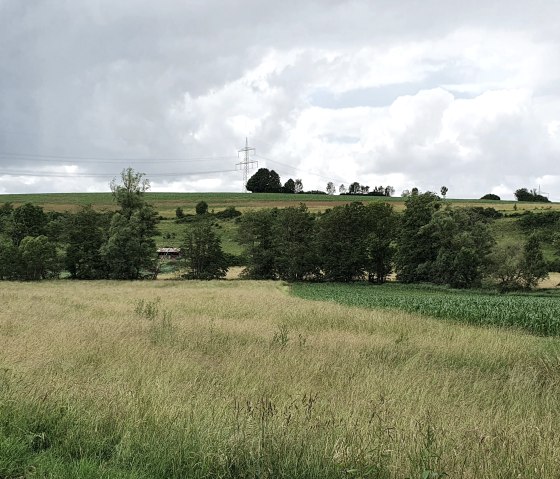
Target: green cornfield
[{"x": 535, "y": 313}]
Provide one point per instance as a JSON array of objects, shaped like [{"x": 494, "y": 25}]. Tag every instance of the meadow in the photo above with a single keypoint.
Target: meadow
[{"x": 241, "y": 379}]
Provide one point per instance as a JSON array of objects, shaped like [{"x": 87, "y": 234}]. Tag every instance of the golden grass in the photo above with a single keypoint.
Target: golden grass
[{"x": 253, "y": 368}]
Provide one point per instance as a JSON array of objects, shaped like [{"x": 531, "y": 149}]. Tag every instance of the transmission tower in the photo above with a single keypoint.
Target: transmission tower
[{"x": 246, "y": 163}]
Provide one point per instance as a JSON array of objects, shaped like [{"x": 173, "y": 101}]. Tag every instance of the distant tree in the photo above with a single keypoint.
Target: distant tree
[
  {"x": 9, "y": 259},
  {"x": 39, "y": 258},
  {"x": 414, "y": 191},
  {"x": 264, "y": 181},
  {"x": 342, "y": 189},
  {"x": 355, "y": 188},
  {"x": 444, "y": 191},
  {"x": 389, "y": 191},
  {"x": 179, "y": 213},
  {"x": 523, "y": 194},
  {"x": 505, "y": 268},
  {"x": 491, "y": 196},
  {"x": 298, "y": 186},
  {"x": 203, "y": 253},
  {"x": 405, "y": 193},
  {"x": 331, "y": 189},
  {"x": 289, "y": 186},
  {"x": 201, "y": 208}
]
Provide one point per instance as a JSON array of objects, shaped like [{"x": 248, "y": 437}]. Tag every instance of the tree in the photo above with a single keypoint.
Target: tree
[
  {"x": 463, "y": 241},
  {"x": 331, "y": 189},
  {"x": 415, "y": 249},
  {"x": 256, "y": 234},
  {"x": 293, "y": 244},
  {"x": 491, "y": 196},
  {"x": 533, "y": 266},
  {"x": 342, "y": 189},
  {"x": 130, "y": 248},
  {"x": 201, "y": 208},
  {"x": 522, "y": 194},
  {"x": 39, "y": 259},
  {"x": 355, "y": 188},
  {"x": 203, "y": 253},
  {"x": 129, "y": 193},
  {"x": 289, "y": 186},
  {"x": 264, "y": 181},
  {"x": 504, "y": 267},
  {"x": 341, "y": 242},
  {"x": 382, "y": 223},
  {"x": 298, "y": 186},
  {"x": 444, "y": 191},
  {"x": 414, "y": 191},
  {"x": 389, "y": 191},
  {"x": 9, "y": 259},
  {"x": 179, "y": 213},
  {"x": 27, "y": 220},
  {"x": 84, "y": 234}
]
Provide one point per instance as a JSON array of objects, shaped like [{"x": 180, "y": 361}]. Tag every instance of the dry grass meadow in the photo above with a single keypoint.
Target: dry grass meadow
[{"x": 239, "y": 379}]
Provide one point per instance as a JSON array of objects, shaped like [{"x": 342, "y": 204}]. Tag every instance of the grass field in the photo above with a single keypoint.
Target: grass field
[
  {"x": 232, "y": 379},
  {"x": 166, "y": 203}
]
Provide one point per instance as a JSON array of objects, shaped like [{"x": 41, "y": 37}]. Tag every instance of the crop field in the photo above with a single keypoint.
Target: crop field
[
  {"x": 169, "y": 379},
  {"x": 537, "y": 314}
]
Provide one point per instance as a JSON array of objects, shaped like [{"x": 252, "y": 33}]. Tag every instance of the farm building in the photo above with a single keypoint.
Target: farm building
[{"x": 169, "y": 253}]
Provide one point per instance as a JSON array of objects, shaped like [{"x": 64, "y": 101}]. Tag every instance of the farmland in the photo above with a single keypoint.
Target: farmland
[
  {"x": 537, "y": 314},
  {"x": 241, "y": 379}
]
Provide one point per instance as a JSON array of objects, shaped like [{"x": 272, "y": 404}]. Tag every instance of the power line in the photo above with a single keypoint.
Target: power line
[
  {"x": 246, "y": 164},
  {"x": 85, "y": 159},
  {"x": 300, "y": 170},
  {"x": 109, "y": 175}
]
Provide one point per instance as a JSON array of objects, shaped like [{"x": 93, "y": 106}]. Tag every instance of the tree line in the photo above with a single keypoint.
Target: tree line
[{"x": 430, "y": 242}]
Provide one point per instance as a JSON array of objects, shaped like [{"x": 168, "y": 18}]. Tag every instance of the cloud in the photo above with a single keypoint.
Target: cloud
[{"x": 401, "y": 92}]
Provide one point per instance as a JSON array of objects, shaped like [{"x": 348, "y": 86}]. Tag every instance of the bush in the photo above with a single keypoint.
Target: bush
[
  {"x": 201, "y": 208},
  {"x": 491, "y": 196},
  {"x": 229, "y": 213}
]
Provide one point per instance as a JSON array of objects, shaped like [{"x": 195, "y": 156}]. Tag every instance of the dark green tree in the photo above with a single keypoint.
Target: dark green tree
[
  {"x": 289, "y": 187},
  {"x": 201, "y": 208},
  {"x": 203, "y": 255},
  {"x": 415, "y": 249},
  {"x": 39, "y": 258},
  {"x": 84, "y": 234},
  {"x": 533, "y": 265},
  {"x": 27, "y": 220},
  {"x": 264, "y": 181},
  {"x": 256, "y": 234},
  {"x": 523, "y": 194},
  {"x": 382, "y": 224},
  {"x": 298, "y": 186},
  {"x": 491, "y": 196},
  {"x": 341, "y": 242},
  {"x": 9, "y": 259},
  {"x": 293, "y": 244}
]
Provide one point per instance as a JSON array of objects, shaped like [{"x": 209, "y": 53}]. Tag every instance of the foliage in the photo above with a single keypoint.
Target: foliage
[
  {"x": 382, "y": 224},
  {"x": 533, "y": 266},
  {"x": 39, "y": 259},
  {"x": 9, "y": 259},
  {"x": 293, "y": 236},
  {"x": 256, "y": 233},
  {"x": 331, "y": 189},
  {"x": 298, "y": 186},
  {"x": 491, "y": 196},
  {"x": 264, "y": 181},
  {"x": 203, "y": 253},
  {"x": 179, "y": 213},
  {"x": 415, "y": 250},
  {"x": 530, "y": 221},
  {"x": 289, "y": 186},
  {"x": 523, "y": 194},
  {"x": 84, "y": 233},
  {"x": 27, "y": 220},
  {"x": 229, "y": 213},
  {"x": 129, "y": 193},
  {"x": 201, "y": 208},
  {"x": 444, "y": 191},
  {"x": 536, "y": 314}
]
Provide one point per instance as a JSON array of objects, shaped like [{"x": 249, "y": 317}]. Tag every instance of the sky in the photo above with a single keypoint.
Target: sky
[{"x": 383, "y": 92}]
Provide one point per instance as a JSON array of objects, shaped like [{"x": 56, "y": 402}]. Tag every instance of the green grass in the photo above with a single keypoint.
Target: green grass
[
  {"x": 535, "y": 313},
  {"x": 239, "y": 379}
]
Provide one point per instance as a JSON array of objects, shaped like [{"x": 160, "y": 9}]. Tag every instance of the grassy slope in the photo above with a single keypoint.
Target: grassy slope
[{"x": 239, "y": 379}]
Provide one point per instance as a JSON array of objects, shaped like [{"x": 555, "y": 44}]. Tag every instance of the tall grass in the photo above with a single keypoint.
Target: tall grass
[{"x": 239, "y": 379}]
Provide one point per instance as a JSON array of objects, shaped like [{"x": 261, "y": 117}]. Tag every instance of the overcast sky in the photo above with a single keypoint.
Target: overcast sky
[{"x": 398, "y": 92}]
